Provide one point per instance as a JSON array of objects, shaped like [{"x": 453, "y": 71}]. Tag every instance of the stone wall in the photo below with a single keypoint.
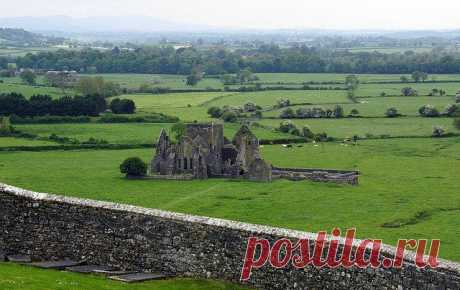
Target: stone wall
[
  {"x": 55, "y": 227},
  {"x": 321, "y": 175}
]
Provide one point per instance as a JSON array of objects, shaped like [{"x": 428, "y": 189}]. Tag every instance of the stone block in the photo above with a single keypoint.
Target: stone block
[{"x": 138, "y": 277}]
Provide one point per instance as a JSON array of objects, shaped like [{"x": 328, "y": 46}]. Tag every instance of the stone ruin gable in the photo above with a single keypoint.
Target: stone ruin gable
[
  {"x": 247, "y": 145},
  {"x": 48, "y": 226},
  {"x": 260, "y": 170},
  {"x": 163, "y": 161}
]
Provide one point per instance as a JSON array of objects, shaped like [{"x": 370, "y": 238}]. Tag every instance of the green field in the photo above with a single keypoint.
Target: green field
[
  {"x": 18, "y": 277},
  {"x": 126, "y": 133},
  {"x": 400, "y": 178},
  {"x": 349, "y": 127},
  {"x": 12, "y": 142},
  {"x": 17, "y": 86},
  {"x": 423, "y": 89},
  {"x": 376, "y": 107},
  {"x": 134, "y": 81}
]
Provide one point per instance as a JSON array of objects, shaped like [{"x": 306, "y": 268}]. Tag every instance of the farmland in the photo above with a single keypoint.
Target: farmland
[
  {"x": 404, "y": 171},
  {"x": 397, "y": 182}
]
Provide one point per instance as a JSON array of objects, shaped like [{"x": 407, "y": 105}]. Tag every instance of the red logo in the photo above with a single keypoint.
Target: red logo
[{"x": 284, "y": 252}]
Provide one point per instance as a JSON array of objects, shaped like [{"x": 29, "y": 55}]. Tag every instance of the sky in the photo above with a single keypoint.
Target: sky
[{"x": 269, "y": 14}]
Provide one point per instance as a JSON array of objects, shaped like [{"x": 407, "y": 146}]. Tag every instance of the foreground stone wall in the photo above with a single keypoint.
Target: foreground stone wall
[{"x": 55, "y": 227}]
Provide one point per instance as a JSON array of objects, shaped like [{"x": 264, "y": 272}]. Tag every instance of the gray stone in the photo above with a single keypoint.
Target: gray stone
[
  {"x": 204, "y": 152},
  {"x": 2, "y": 257},
  {"x": 58, "y": 265},
  {"x": 19, "y": 258},
  {"x": 110, "y": 272},
  {"x": 88, "y": 268},
  {"x": 138, "y": 277}
]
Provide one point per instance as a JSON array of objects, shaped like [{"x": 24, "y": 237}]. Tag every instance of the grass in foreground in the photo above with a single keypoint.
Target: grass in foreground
[
  {"x": 17, "y": 277},
  {"x": 401, "y": 178}
]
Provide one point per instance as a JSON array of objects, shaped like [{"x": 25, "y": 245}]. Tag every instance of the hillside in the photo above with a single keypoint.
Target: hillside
[{"x": 22, "y": 38}]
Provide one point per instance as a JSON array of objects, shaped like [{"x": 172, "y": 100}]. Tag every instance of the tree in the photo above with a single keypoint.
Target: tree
[
  {"x": 133, "y": 166},
  {"x": 408, "y": 92},
  {"x": 28, "y": 76},
  {"x": 192, "y": 80},
  {"x": 287, "y": 126},
  {"x": 418, "y": 75},
  {"x": 281, "y": 103},
  {"x": 287, "y": 114},
  {"x": 229, "y": 116},
  {"x": 40, "y": 105},
  {"x": 452, "y": 110},
  {"x": 351, "y": 83},
  {"x": 178, "y": 129},
  {"x": 195, "y": 76},
  {"x": 250, "y": 107},
  {"x": 354, "y": 113},
  {"x": 124, "y": 106},
  {"x": 338, "y": 111},
  {"x": 307, "y": 132},
  {"x": 428, "y": 111},
  {"x": 424, "y": 76},
  {"x": 5, "y": 126},
  {"x": 215, "y": 112},
  {"x": 97, "y": 86},
  {"x": 438, "y": 131},
  {"x": 392, "y": 113}
]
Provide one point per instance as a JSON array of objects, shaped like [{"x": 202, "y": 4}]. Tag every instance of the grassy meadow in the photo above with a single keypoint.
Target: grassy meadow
[
  {"x": 18, "y": 277},
  {"x": 402, "y": 179}
]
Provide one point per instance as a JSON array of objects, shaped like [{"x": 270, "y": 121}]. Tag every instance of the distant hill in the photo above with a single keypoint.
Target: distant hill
[
  {"x": 22, "y": 38},
  {"x": 97, "y": 24}
]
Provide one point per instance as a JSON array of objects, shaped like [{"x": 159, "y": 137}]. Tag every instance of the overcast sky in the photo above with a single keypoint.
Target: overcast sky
[{"x": 333, "y": 14}]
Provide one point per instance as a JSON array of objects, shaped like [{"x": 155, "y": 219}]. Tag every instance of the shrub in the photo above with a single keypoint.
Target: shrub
[
  {"x": 428, "y": 111},
  {"x": 392, "y": 113},
  {"x": 215, "y": 112},
  {"x": 338, "y": 111},
  {"x": 287, "y": 114},
  {"x": 281, "y": 103},
  {"x": 452, "y": 110},
  {"x": 287, "y": 126},
  {"x": 229, "y": 116},
  {"x": 250, "y": 107},
  {"x": 28, "y": 76},
  {"x": 321, "y": 137},
  {"x": 438, "y": 131},
  {"x": 133, "y": 166},
  {"x": 354, "y": 113},
  {"x": 5, "y": 127},
  {"x": 408, "y": 92},
  {"x": 124, "y": 106},
  {"x": 307, "y": 132},
  {"x": 178, "y": 130}
]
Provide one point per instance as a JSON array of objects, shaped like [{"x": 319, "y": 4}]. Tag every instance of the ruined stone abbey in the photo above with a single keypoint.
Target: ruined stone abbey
[{"x": 204, "y": 152}]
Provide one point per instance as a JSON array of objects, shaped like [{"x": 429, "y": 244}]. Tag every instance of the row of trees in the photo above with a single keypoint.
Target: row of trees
[
  {"x": 218, "y": 61},
  {"x": 40, "y": 105}
]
